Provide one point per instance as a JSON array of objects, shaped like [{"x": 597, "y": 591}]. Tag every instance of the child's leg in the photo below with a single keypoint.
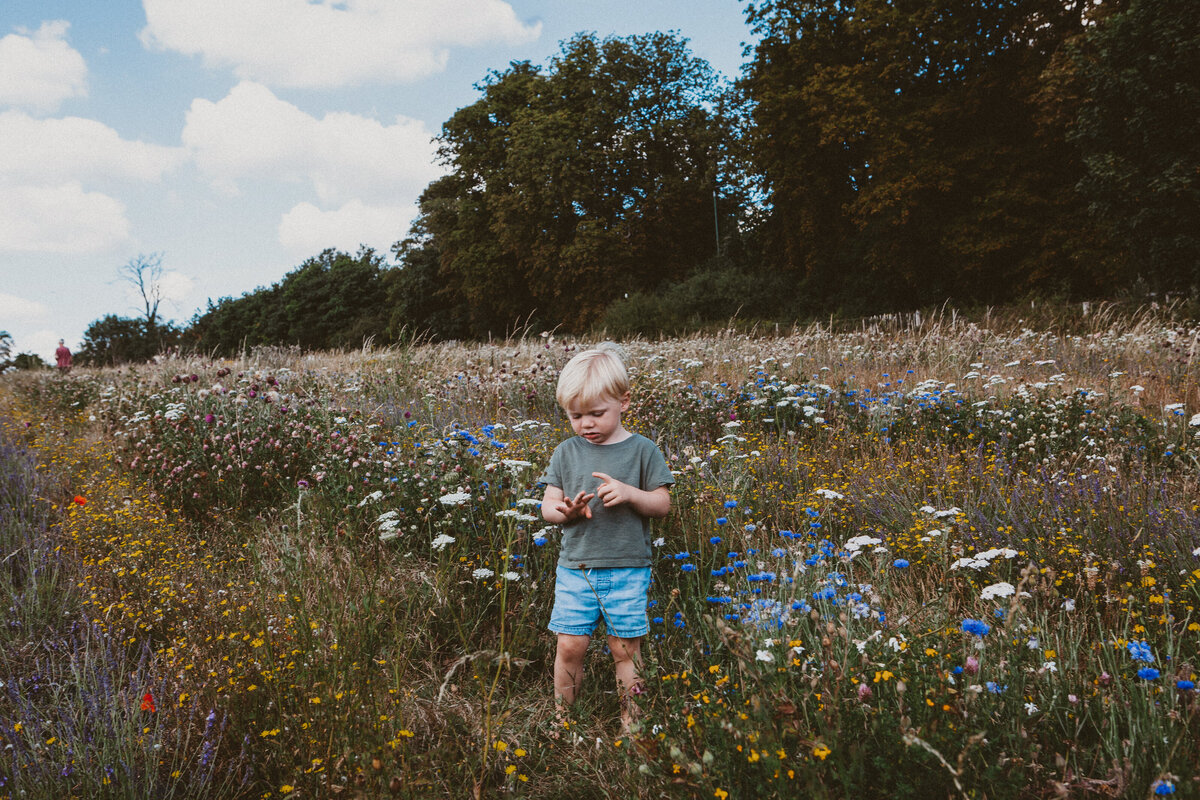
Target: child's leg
[
  {"x": 568, "y": 667},
  {"x": 627, "y": 657}
]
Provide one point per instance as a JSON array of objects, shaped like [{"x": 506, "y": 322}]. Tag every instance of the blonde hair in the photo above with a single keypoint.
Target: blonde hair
[{"x": 596, "y": 374}]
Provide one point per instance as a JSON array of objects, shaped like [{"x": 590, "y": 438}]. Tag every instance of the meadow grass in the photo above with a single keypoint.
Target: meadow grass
[{"x": 943, "y": 557}]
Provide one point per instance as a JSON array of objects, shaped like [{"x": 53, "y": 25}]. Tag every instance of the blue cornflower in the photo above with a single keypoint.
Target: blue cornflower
[
  {"x": 1148, "y": 674},
  {"x": 539, "y": 540},
  {"x": 900, "y": 563},
  {"x": 1140, "y": 651},
  {"x": 779, "y": 552},
  {"x": 721, "y": 520},
  {"x": 994, "y": 687},
  {"x": 976, "y": 626},
  {"x": 658, "y": 620},
  {"x": 998, "y": 613},
  {"x": 714, "y": 540},
  {"x": 1164, "y": 787},
  {"x": 731, "y": 503},
  {"x": 681, "y": 556},
  {"x": 688, "y": 567},
  {"x": 1185, "y": 686}
]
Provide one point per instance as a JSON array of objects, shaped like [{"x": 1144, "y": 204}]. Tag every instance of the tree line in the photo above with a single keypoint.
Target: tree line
[{"x": 872, "y": 156}]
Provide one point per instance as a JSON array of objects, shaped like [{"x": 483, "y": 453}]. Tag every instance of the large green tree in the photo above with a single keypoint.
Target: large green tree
[
  {"x": 575, "y": 184},
  {"x": 1139, "y": 134},
  {"x": 113, "y": 340},
  {"x": 333, "y": 300},
  {"x": 903, "y": 155}
]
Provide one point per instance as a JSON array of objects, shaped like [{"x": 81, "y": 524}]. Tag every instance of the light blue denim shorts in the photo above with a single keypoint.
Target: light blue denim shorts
[{"x": 617, "y": 595}]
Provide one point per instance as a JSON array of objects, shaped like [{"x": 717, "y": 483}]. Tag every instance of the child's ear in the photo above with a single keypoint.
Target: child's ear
[{"x": 624, "y": 402}]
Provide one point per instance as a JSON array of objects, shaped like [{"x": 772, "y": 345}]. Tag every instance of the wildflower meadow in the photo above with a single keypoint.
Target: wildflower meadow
[{"x": 912, "y": 558}]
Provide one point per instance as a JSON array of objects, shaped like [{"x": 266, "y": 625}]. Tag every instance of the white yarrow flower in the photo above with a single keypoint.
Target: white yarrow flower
[
  {"x": 1001, "y": 589},
  {"x": 859, "y": 542},
  {"x": 517, "y": 515},
  {"x": 441, "y": 541},
  {"x": 482, "y": 572},
  {"x": 373, "y": 497},
  {"x": 764, "y": 655},
  {"x": 454, "y": 498}
]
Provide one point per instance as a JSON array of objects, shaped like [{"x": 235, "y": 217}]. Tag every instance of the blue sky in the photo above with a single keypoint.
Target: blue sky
[{"x": 239, "y": 137}]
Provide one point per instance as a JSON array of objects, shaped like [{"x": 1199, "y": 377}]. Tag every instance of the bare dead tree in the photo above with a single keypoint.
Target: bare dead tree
[{"x": 144, "y": 272}]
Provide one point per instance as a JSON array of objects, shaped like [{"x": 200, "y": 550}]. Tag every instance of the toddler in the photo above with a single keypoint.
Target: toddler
[{"x": 603, "y": 486}]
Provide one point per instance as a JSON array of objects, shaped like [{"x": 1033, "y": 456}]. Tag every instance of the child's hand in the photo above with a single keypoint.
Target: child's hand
[
  {"x": 576, "y": 507},
  {"x": 612, "y": 492}
]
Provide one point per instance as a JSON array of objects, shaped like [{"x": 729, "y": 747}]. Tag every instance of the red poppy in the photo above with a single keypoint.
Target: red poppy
[
  {"x": 80, "y": 500},
  {"x": 148, "y": 703}
]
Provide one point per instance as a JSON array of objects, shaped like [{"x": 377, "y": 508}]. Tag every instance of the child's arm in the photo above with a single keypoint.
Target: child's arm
[
  {"x": 612, "y": 492},
  {"x": 558, "y": 509}
]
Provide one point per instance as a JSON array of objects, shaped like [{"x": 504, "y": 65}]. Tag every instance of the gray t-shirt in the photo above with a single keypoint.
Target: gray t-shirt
[{"x": 613, "y": 537}]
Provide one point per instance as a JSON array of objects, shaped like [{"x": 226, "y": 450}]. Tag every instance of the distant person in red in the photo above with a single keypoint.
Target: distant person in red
[{"x": 63, "y": 356}]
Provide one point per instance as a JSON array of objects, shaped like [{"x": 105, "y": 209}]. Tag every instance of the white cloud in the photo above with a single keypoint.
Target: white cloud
[
  {"x": 306, "y": 229},
  {"x": 39, "y": 70},
  {"x": 19, "y": 309},
  {"x": 251, "y": 133},
  {"x": 176, "y": 286},
  {"x": 46, "y": 168},
  {"x": 49, "y": 151},
  {"x": 62, "y": 218},
  {"x": 329, "y": 43}
]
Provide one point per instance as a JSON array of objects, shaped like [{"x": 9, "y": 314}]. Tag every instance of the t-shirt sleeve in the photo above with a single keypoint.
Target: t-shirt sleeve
[
  {"x": 553, "y": 474},
  {"x": 655, "y": 469}
]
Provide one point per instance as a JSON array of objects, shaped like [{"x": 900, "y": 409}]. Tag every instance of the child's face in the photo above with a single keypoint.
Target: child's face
[{"x": 599, "y": 420}]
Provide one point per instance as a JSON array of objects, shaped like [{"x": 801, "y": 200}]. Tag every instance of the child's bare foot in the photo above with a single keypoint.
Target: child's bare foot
[
  {"x": 560, "y": 723},
  {"x": 631, "y": 712}
]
